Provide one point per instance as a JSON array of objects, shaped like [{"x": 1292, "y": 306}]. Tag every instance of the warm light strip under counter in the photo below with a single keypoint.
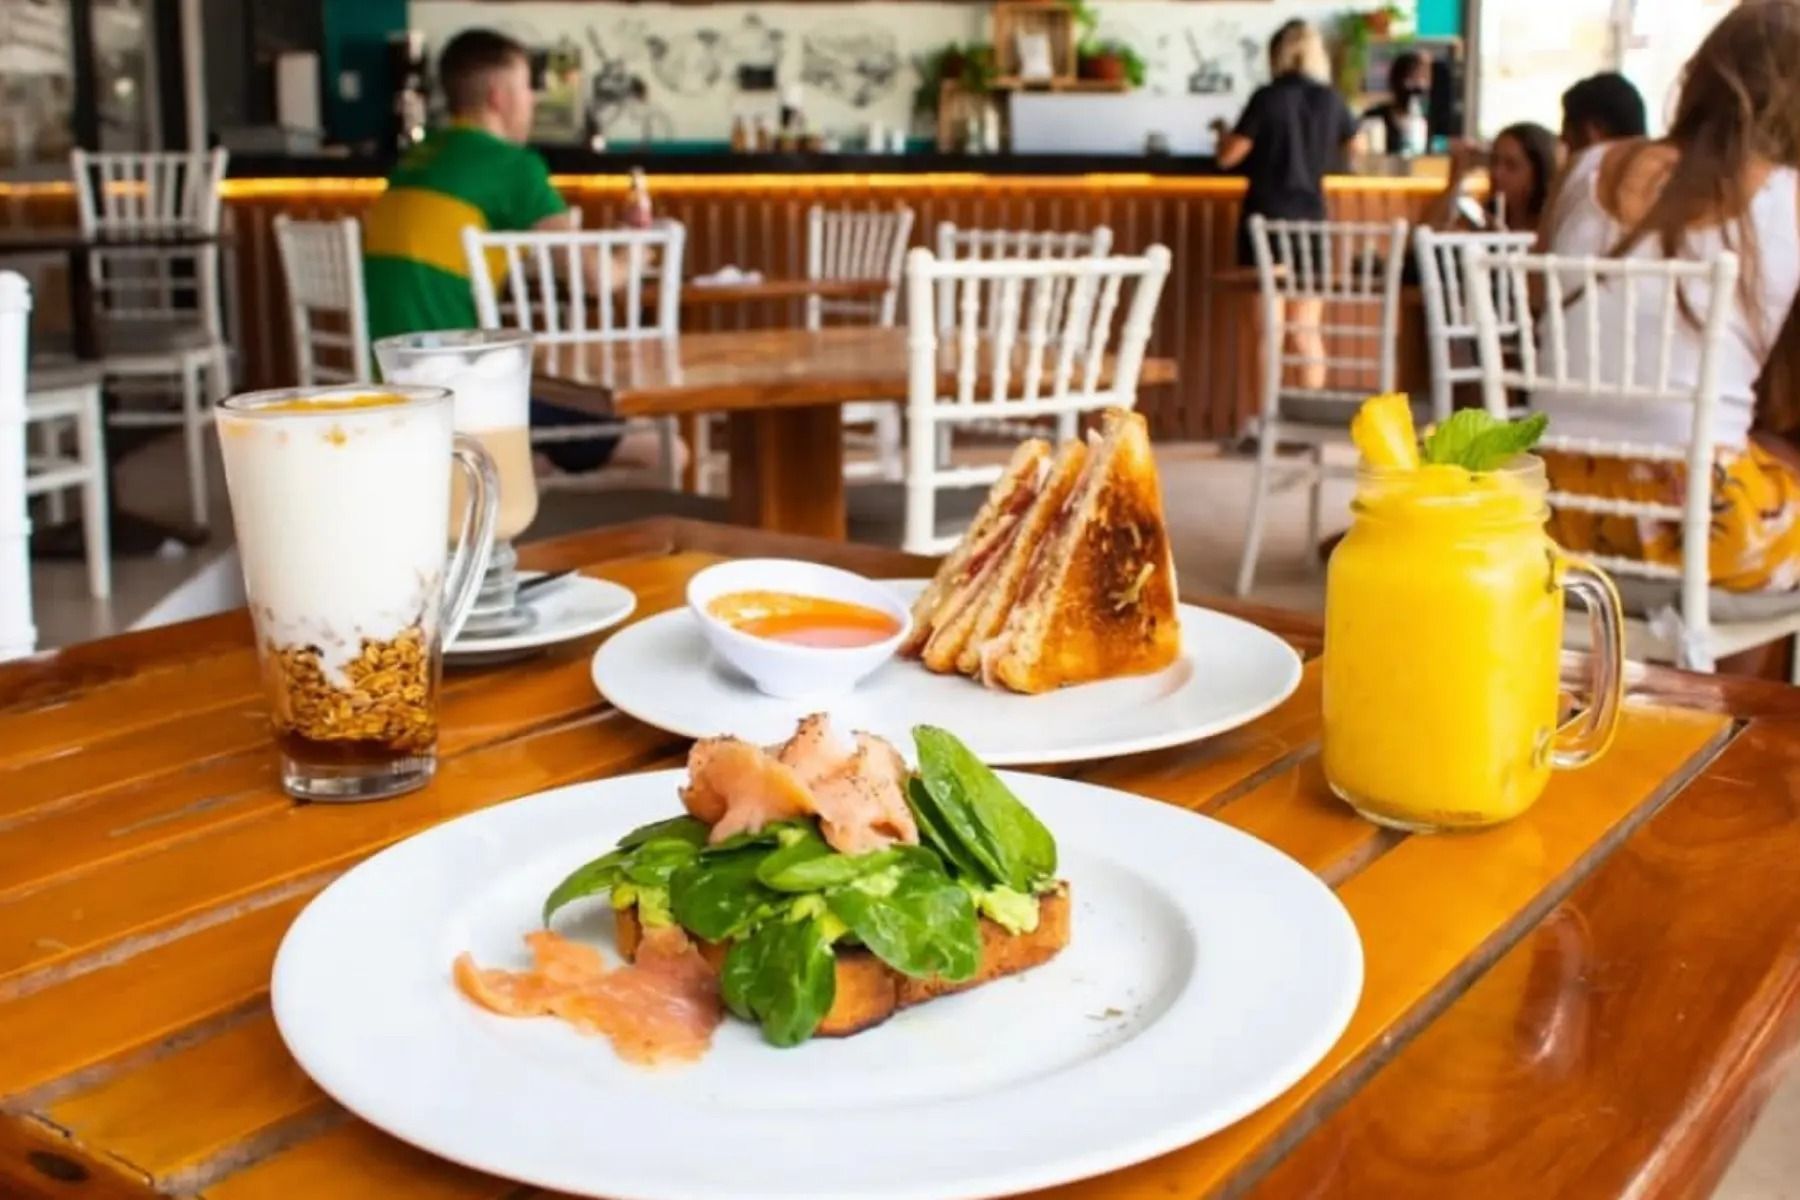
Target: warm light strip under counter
[{"x": 1136, "y": 182}]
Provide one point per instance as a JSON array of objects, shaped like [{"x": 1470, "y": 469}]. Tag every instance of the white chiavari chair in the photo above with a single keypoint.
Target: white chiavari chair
[
  {"x": 861, "y": 244},
  {"x": 1449, "y": 318},
  {"x": 322, "y": 263},
  {"x": 1605, "y": 332},
  {"x": 158, "y": 308},
  {"x": 856, "y": 244},
  {"x": 62, "y": 396},
  {"x": 956, "y": 242},
  {"x": 1348, "y": 273},
  {"x": 1010, "y": 361},
  {"x": 584, "y": 285}
]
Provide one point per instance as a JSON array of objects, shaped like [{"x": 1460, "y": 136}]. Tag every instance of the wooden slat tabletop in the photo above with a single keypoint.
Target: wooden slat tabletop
[
  {"x": 1589, "y": 1000},
  {"x": 754, "y": 369}
]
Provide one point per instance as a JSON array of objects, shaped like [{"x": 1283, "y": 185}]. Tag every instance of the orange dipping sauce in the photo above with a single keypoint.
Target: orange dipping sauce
[{"x": 804, "y": 620}]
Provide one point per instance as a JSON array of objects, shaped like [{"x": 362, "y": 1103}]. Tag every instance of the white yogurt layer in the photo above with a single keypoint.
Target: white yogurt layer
[
  {"x": 492, "y": 388},
  {"x": 342, "y": 519}
]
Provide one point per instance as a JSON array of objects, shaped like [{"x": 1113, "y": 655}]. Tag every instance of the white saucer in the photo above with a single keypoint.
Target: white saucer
[
  {"x": 662, "y": 672},
  {"x": 578, "y": 606}
]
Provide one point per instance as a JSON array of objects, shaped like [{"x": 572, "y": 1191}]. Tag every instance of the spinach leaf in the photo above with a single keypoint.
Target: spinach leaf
[
  {"x": 718, "y": 896},
  {"x": 935, "y": 832},
  {"x": 586, "y": 880},
  {"x": 783, "y": 976},
  {"x": 916, "y": 920},
  {"x": 655, "y": 862},
  {"x": 808, "y": 864},
  {"x": 983, "y": 816},
  {"x": 687, "y": 829},
  {"x": 647, "y": 855},
  {"x": 773, "y": 834}
]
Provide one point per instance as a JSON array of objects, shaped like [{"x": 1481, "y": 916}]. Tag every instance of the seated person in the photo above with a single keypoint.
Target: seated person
[
  {"x": 1522, "y": 164},
  {"x": 1725, "y": 177},
  {"x": 1409, "y": 79},
  {"x": 1602, "y": 108},
  {"x": 478, "y": 172}
]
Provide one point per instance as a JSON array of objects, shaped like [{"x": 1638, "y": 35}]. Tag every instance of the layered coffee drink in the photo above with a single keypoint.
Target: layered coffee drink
[
  {"x": 341, "y": 500},
  {"x": 489, "y": 373}
]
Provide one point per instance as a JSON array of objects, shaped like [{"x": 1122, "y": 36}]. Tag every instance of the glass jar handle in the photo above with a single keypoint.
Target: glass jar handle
[
  {"x": 475, "y": 538},
  {"x": 1586, "y": 735}
]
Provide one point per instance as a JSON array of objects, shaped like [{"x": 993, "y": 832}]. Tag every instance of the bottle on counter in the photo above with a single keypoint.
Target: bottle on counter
[
  {"x": 990, "y": 129},
  {"x": 792, "y": 117},
  {"x": 740, "y": 135},
  {"x": 639, "y": 213},
  {"x": 1415, "y": 130}
]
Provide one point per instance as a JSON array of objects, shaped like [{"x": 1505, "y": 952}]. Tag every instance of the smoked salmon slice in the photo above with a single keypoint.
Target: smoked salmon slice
[
  {"x": 662, "y": 1008},
  {"x": 737, "y": 788},
  {"x": 857, "y": 789}
]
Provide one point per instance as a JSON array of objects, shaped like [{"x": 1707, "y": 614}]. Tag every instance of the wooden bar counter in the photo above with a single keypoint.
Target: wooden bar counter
[{"x": 757, "y": 221}]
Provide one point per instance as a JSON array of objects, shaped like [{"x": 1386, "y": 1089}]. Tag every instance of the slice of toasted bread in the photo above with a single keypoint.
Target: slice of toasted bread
[
  {"x": 1000, "y": 592},
  {"x": 869, "y": 991},
  {"x": 987, "y": 535},
  {"x": 1099, "y": 599}
]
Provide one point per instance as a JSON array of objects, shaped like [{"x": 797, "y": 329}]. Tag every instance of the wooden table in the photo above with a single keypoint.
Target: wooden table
[
  {"x": 770, "y": 290},
  {"x": 1591, "y": 1001},
  {"x": 783, "y": 391}
]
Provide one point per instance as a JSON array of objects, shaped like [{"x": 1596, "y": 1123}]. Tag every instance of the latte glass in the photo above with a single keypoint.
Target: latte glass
[
  {"x": 341, "y": 500},
  {"x": 489, "y": 372}
]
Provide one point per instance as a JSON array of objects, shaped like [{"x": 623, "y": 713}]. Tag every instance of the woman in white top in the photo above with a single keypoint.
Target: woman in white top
[{"x": 1724, "y": 178}]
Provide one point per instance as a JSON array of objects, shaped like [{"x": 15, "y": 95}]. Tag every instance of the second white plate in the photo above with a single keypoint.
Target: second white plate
[{"x": 662, "y": 672}]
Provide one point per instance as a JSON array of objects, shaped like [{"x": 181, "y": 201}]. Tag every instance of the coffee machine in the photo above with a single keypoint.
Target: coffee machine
[{"x": 409, "y": 73}]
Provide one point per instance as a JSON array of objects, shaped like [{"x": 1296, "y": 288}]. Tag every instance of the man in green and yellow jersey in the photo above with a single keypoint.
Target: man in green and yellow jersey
[{"x": 478, "y": 172}]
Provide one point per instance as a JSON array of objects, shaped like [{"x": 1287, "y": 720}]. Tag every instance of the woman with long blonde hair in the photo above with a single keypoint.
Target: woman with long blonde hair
[
  {"x": 1294, "y": 130},
  {"x": 1725, "y": 178}
]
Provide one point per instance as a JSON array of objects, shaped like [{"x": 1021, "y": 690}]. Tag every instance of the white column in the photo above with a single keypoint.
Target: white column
[
  {"x": 18, "y": 637},
  {"x": 193, "y": 73}
]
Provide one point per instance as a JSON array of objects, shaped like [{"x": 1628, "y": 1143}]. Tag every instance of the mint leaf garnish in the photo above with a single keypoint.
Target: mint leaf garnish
[{"x": 1475, "y": 441}]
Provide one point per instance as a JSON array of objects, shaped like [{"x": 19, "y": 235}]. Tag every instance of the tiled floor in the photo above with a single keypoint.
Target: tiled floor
[{"x": 1206, "y": 498}]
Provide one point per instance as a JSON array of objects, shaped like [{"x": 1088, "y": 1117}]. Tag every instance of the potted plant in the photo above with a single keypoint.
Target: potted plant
[
  {"x": 1111, "y": 61},
  {"x": 973, "y": 67}
]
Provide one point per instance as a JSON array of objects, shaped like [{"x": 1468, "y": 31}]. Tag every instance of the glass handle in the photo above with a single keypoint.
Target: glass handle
[
  {"x": 1586, "y": 735},
  {"x": 475, "y": 539}
]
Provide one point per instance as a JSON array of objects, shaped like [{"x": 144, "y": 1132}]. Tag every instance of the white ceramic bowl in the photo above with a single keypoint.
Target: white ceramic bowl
[{"x": 783, "y": 669}]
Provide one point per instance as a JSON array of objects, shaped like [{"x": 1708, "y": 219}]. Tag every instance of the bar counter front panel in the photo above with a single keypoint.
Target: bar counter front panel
[{"x": 758, "y": 222}]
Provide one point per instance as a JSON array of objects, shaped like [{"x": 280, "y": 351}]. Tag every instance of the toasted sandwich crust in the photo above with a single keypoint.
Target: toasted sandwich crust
[
  {"x": 869, "y": 991},
  {"x": 1010, "y": 496},
  {"x": 1101, "y": 597},
  {"x": 1001, "y": 592}
]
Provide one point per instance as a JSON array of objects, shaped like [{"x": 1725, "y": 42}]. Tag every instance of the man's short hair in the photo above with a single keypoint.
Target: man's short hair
[
  {"x": 467, "y": 62},
  {"x": 1608, "y": 102}
]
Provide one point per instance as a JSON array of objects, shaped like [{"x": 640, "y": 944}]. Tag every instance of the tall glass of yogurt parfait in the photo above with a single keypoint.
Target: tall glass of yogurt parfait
[
  {"x": 341, "y": 499},
  {"x": 1443, "y": 632},
  {"x": 489, "y": 373}
]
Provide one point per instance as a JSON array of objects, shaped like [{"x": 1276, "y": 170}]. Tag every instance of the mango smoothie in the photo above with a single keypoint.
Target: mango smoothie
[{"x": 1443, "y": 634}]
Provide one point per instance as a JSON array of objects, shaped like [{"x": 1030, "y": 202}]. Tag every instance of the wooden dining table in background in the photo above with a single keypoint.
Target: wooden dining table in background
[
  {"x": 782, "y": 392},
  {"x": 1592, "y": 1000}
]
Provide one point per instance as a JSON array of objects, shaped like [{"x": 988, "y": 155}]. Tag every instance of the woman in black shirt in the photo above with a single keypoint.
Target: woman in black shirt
[{"x": 1294, "y": 129}]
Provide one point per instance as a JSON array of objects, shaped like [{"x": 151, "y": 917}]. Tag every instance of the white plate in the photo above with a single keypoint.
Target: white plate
[
  {"x": 662, "y": 672},
  {"x": 576, "y": 607},
  {"x": 1206, "y": 974}
]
